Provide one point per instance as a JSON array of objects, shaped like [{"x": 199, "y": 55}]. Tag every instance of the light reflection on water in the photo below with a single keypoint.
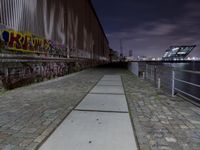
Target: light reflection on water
[{"x": 193, "y": 78}]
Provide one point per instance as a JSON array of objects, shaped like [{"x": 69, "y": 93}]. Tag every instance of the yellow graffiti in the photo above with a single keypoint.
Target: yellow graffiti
[{"x": 23, "y": 42}]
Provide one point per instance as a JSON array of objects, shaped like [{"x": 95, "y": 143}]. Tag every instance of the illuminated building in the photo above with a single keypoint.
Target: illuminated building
[{"x": 178, "y": 52}]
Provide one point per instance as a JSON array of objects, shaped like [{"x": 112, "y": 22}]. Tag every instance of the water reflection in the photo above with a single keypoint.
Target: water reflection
[{"x": 193, "y": 78}]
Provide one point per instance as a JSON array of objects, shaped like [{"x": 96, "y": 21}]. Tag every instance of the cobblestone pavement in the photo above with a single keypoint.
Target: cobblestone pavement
[
  {"x": 160, "y": 121},
  {"x": 29, "y": 114}
]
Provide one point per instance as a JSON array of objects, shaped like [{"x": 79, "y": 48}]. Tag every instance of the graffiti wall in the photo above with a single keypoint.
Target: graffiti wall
[
  {"x": 22, "y": 74},
  {"x": 41, "y": 39},
  {"x": 17, "y": 41},
  {"x": 70, "y": 25},
  {"x": 13, "y": 41}
]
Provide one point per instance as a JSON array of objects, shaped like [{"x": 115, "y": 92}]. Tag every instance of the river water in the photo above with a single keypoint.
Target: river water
[{"x": 189, "y": 77}]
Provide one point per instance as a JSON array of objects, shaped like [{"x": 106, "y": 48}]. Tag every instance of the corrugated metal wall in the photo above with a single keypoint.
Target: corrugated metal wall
[{"x": 72, "y": 23}]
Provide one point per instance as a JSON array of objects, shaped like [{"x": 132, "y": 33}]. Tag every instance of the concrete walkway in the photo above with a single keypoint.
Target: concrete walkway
[
  {"x": 100, "y": 121},
  {"x": 28, "y": 115}
]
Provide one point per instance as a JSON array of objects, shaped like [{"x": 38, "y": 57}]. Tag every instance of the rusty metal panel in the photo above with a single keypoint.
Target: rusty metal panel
[
  {"x": 38, "y": 39},
  {"x": 72, "y": 23}
]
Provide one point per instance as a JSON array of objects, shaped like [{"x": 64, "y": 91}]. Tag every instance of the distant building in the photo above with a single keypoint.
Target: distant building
[
  {"x": 143, "y": 58},
  {"x": 114, "y": 55},
  {"x": 129, "y": 58},
  {"x": 130, "y": 53},
  {"x": 178, "y": 52}
]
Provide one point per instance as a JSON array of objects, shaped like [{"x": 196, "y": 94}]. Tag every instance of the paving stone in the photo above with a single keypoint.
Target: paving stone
[
  {"x": 158, "y": 135},
  {"x": 165, "y": 122},
  {"x": 170, "y": 139},
  {"x": 93, "y": 130},
  {"x": 32, "y": 146},
  {"x": 40, "y": 138},
  {"x": 185, "y": 146},
  {"x": 153, "y": 145},
  {"x": 111, "y": 78},
  {"x": 170, "y": 119},
  {"x": 8, "y": 147},
  {"x": 164, "y": 148},
  {"x": 4, "y": 135},
  {"x": 104, "y": 102},
  {"x": 183, "y": 127},
  {"x": 144, "y": 147},
  {"x": 107, "y": 90},
  {"x": 195, "y": 122},
  {"x": 161, "y": 141},
  {"x": 111, "y": 83},
  {"x": 24, "y": 106},
  {"x": 17, "y": 128},
  {"x": 27, "y": 112},
  {"x": 28, "y": 130},
  {"x": 13, "y": 140},
  {"x": 26, "y": 142}
]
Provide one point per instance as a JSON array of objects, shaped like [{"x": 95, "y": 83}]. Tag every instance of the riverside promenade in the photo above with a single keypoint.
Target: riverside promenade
[{"x": 31, "y": 116}]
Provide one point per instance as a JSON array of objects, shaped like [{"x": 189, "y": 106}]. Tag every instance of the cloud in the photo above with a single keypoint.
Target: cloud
[
  {"x": 149, "y": 29},
  {"x": 156, "y": 29},
  {"x": 152, "y": 38}
]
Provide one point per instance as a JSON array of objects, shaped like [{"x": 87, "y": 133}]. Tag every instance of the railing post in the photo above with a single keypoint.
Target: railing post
[
  {"x": 155, "y": 75},
  {"x": 143, "y": 75},
  {"x": 152, "y": 73},
  {"x": 146, "y": 72},
  {"x": 173, "y": 82},
  {"x": 158, "y": 83}
]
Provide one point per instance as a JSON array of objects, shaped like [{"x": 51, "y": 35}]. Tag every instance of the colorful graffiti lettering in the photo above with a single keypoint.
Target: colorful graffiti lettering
[
  {"x": 28, "y": 73},
  {"x": 24, "y": 42},
  {"x": 28, "y": 43}
]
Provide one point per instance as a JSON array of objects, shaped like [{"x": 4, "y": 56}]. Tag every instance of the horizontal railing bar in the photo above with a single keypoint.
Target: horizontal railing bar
[
  {"x": 187, "y": 82},
  {"x": 187, "y": 94},
  {"x": 187, "y": 71},
  {"x": 166, "y": 84}
]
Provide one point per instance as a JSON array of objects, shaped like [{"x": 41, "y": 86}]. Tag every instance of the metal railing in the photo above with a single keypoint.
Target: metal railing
[
  {"x": 150, "y": 72},
  {"x": 176, "y": 89},
  {"x": 172, "y": 80}
]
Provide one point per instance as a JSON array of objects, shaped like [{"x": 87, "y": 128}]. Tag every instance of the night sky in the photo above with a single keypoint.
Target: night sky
[{"x": 149, "y": 27}]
